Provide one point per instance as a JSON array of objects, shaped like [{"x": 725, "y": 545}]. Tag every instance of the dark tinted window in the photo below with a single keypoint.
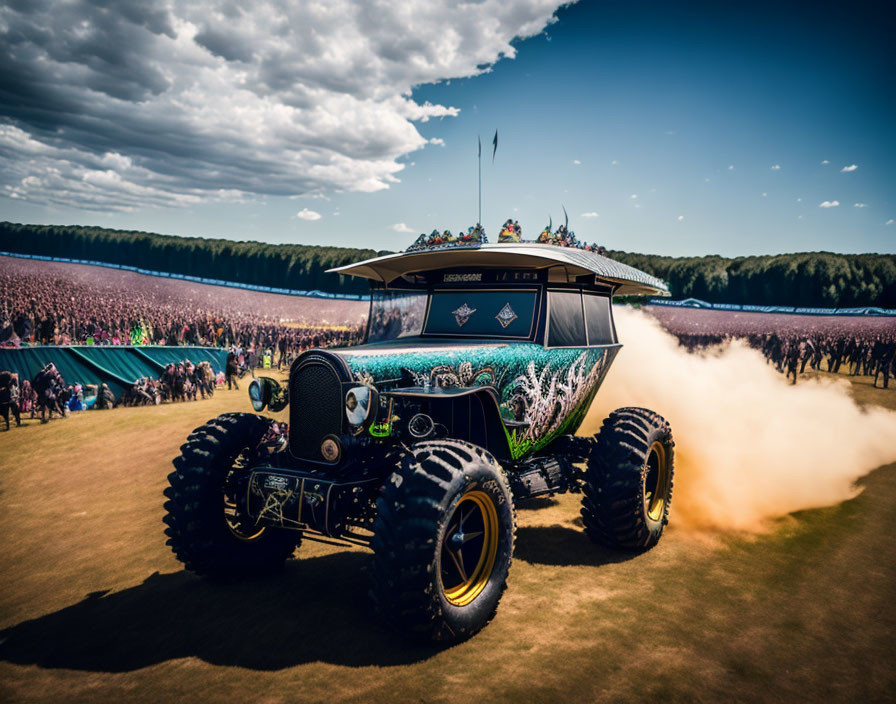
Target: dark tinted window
[
  {"x": 597, "y": 317},
  {"x": 567, "y": 322},
  {"x": 481, "y": 313}
]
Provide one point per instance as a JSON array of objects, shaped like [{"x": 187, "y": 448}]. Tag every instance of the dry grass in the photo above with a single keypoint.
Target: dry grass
[{"x": 95, "y": 608}]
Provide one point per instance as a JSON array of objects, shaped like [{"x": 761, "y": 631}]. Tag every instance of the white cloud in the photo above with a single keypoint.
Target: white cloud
[
  {"x": 765, "y": 195},
  {"x": 681, "y": 218},
  {"x": 825, "y": 162},
  {"x": 401, "y": 227},
  {"x": 829, "y": 204},
  {"x": 860, "y": 205},
  {"x": 438, "y": 141},
  {"x": 576, "y": 161},
  {"x": 706, "y": 180},
  {"x": 776, "y": 167},
  {"x": 633, "y": 196},
  {"x": 847, "y": 169},
  {"x": 799, "y": 200},
  {"x": 115, "y": 106},
  {"x": 889, "y": 222},
  {"x": 614, "y": 162},
  {"x": 731, "y": 167},
  {"x": 306, "y": 214},
  {"x": 592, "y": 214}
]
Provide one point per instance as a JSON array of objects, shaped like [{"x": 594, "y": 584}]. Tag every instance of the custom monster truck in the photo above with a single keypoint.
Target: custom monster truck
[{"x": 479, "y": 364}]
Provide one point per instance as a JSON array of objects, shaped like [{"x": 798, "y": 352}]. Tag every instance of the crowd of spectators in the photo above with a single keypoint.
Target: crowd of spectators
[
  {"x": 42, "y": 396},
  {"x": 55, "y": 303},
  {"x": 49, "y": 303},
  {"x": 837, "y": 344},
  {"x": 48, "y": 393}
]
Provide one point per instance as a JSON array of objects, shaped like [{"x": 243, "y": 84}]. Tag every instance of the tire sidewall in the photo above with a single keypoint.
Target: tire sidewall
[
  {"x": 485, "y": 477},
  {"x": 663, "y": 437}
]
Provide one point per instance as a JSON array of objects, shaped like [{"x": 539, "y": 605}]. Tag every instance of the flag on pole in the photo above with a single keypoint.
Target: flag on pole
[
  {"x": 479, "y": 140},
  {"x": 495, "y": 148},
  {"x": 566, "y": 224}
]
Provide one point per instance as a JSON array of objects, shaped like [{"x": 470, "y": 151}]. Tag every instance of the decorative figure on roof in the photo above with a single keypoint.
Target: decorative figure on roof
[
  {"x": 564, "y": 237},
  {"x": 510, "y": 232},
  {"x": 419, "y": 243},
  {"x": 474, "y": 235}
]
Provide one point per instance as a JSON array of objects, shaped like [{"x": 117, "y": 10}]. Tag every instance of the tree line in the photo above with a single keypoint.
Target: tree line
[
  {"x": 805, "y": 279},
  {"x": 291, "y": 266},
  {"x": 809, "y": 279}
]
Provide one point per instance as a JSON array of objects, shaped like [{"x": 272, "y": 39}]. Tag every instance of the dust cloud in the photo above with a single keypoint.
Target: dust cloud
[{"x": 749, "y": 446}]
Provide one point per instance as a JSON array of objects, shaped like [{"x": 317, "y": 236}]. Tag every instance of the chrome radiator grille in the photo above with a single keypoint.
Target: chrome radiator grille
[{"x": 315, "y": 409}]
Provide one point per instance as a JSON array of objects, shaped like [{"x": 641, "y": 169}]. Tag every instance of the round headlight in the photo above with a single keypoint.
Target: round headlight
[{"x": 359, "y": 404}]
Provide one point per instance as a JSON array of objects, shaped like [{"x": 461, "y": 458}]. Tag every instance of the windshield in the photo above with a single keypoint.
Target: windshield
[
  {"x": 395, "y": 313},
  {"x": 482, "y": 313}
]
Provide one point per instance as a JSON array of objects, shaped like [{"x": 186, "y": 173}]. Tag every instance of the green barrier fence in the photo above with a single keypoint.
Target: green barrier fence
[{"x": 118, "y": 367}]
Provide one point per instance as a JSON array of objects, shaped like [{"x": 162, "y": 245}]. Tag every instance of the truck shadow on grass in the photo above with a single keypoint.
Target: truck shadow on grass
[
  {"x": 563, "y": 546},
  {"x": 316, "y": 610}
]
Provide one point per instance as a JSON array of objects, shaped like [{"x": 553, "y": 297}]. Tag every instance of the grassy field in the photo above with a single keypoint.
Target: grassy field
[{"x": 93, "y": 606}]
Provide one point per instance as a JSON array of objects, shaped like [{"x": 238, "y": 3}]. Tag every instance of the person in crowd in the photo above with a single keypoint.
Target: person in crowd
[
  {"x": 231, "y": 370},
  {"x": 884, "y": 356},
  {"x": 27, "y": 399},
  {"x": 76, "y": 398},
  {"x": 9, "y": 397},
  {"x": 105, "y": 399},
  {"x": 252, "y": 360},
  {"x": 282, "y": 344}
]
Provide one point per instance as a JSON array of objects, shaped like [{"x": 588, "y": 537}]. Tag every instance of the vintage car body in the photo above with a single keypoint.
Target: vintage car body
[
  {"x": 529, "y": 386},
  {"x": 538, "y": 393},
  {"x": 480, "y": 363}
]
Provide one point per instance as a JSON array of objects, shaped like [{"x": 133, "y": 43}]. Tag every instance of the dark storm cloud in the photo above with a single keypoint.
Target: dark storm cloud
[{"x": 111, "y": 105}]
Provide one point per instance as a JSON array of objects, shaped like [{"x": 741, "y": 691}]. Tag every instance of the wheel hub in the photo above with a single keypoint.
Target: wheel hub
[{"x": 469, "y": 548}]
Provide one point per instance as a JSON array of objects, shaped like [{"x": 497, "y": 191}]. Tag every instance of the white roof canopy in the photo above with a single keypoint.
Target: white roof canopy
[{"x": 565, "y": 262}]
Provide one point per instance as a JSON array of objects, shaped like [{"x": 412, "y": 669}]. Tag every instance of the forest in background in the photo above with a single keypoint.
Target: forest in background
[{"x": 808, "y": 279}]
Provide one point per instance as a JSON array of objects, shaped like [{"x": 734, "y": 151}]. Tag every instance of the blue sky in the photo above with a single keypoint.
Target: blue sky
[{"x": 701, "y": 130}]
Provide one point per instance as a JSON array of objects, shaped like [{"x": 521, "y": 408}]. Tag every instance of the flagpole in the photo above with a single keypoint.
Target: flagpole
[{"x": 479, "y": 221}]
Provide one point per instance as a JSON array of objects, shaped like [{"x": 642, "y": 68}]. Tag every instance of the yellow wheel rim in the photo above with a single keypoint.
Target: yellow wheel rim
[
  {"x": 469, "y": 548},
  {"x": 234, "y": 526},
  {"x": 231, "y": 510},
  {"x": 656, "y": 482}
]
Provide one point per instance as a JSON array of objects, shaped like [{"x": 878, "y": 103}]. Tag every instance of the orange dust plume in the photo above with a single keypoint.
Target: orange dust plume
[{"x": 748, "y": 445}]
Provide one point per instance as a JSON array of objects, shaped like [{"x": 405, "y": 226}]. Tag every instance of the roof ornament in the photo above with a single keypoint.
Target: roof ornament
[
  {"x": 511, "y": 233},
  {"x": 473, "y": 237}
]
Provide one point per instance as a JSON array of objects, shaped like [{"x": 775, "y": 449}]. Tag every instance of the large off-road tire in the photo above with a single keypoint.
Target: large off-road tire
[
  {"x": 628, "y": 482},
  {"x": 443, "y": 541},
  {"x": 204, "y": 527}
]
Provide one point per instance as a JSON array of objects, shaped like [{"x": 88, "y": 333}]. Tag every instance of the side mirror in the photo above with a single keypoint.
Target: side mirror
[{"x": 264, "y": 392}]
